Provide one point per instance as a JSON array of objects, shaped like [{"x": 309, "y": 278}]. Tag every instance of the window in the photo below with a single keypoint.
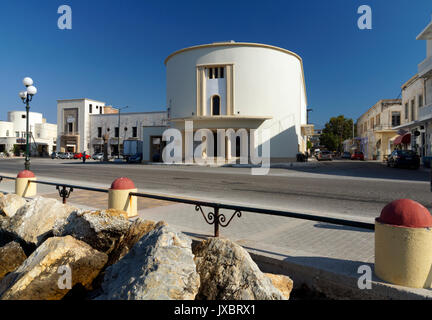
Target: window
[
  {"x": 215, "y": 105},
  {"x": 396, "y": 119},
  {"x": 406, "y": 111},
  {"x": 116, "y": 132},
  {"x": 99, "y": 132},
  {"x": 7, "y": 133},
  {"x": 23, "y": 116},
  {"x": 420, "y": 101},
  {"x": 412, "y": 109},
  {"x": 378, "y": 120},
  {"x": 100, "y": 109},
  {"x": 70, "y": 127},
  {"x": 17, "y": 134},
  {"x": 90, "y": 108},
  {"x": 216, "y": 73},
  {"x": 134, "y": 132}
]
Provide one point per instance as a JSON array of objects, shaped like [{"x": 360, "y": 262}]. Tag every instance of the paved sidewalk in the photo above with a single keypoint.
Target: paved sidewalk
[{"x": 251, "y": 229}]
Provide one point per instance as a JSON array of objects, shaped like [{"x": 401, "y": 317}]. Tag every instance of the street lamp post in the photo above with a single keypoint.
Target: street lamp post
[
  {"x": 26, "y": 97},
  {"x": 118, "y": 138}
]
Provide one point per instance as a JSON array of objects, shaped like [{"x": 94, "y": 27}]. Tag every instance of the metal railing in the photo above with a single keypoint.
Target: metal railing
[{"x": 212, "y": 217}]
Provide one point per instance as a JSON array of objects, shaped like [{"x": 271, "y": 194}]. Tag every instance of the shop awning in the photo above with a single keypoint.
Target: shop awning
[{"x": 403, "y": 139}]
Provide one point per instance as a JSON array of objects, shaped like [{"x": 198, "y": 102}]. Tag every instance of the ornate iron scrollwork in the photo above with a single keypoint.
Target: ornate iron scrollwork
[
  {"x": 64, "y": 192},
  {"x": 220, "y": 218},
  {"x": 210, "y": 219}
]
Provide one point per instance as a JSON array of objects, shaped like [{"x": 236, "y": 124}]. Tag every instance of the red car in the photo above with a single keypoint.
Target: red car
[
  {"x": 357, "y": 156},
  {"x": 80, "y": 155}
]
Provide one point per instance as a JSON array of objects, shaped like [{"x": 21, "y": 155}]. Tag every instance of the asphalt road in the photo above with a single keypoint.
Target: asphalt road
[{"x": 348, "y": 188}]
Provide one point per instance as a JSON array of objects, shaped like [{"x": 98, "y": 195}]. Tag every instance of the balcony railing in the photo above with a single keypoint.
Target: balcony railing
[
  {"x": 70, "y": 133},
  {"x": 382, "y": 127},
  {"x": 425, "y": 67}
]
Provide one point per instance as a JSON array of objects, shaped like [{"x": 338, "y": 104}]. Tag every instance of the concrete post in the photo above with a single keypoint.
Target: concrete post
[
  {"x": 23, "y": 187},
  {"x": 403, "y": 244},
  {"x": 118, "y": 196}
]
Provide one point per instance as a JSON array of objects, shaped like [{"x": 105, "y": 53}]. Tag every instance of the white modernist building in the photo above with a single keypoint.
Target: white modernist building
[
  {"x": 42, "y": 136},
  {"x": 83, "y": 123},
  {"x": 240, "y": 85},
  {"x": 132, "y": 126}
]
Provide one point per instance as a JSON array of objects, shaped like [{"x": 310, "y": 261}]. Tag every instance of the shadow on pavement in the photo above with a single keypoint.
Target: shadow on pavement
[
  {"x": 376, "y": 170},
  {"x": 338, "y": 227}
]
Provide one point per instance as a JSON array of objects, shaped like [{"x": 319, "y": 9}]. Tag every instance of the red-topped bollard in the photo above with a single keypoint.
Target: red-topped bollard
[
  {"x": 403, "y": 244},
  {"x": 118, "y": 196},
  {"x": 23, "y": 186}
]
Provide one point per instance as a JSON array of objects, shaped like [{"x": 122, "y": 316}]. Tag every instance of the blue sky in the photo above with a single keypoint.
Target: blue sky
[{"x": 116, "y": 49}]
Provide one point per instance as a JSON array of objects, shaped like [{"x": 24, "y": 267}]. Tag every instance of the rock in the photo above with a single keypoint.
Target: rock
[
  {"x": 135, "y": 232},
  {"x": 10, "y": 203},
  {"x": 11, "y": 257},
  {"x": 41, "y": 276},
  {"x": 283, "y": 283},
  {"x": 227, "y": 272},
  {"x": 159, "y": 266},
  {"x": 33, "y": 223},
  {"x": 102, "y": 229}
]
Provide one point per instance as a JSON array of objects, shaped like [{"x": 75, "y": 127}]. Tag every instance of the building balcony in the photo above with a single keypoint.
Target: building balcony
[
  {"x": 383, "y": 127},
  {"x": 425, "y": 112},
  {"x": 70, "y": 133},
  {"x": 425, "y": 67}
]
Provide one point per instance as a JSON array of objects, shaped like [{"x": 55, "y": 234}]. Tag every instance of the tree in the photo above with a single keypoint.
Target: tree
[{"x": 335, "y": 132}]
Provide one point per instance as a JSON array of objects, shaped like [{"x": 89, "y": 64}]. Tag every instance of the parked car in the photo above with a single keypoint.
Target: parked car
[
  {"x": 403, "y": 158},
  {"x": 346, "y": 155},
  {"x": 54, "y": 155},
  {"x": 79, "y": 155},
  {"x": 98, "y": 156},
  {"x": 325, "y": 155},
  {"x": 62, "y": 155},
  {"x": 136, "y": 158},
  {"x": 358, "y": 155}
]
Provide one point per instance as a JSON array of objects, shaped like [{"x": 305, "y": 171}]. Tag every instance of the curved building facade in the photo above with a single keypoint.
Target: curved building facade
[{"x": 240, "y": 85}]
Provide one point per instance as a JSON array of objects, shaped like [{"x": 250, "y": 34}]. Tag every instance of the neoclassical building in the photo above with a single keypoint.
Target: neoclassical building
[{"x": 240, "y": 85}]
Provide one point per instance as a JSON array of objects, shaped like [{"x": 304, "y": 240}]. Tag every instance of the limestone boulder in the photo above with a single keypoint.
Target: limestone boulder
[
  {"x": 102, "y": 229},
  {"x": 281, "y": 282},
  {"x": 159, "y": 266},
  {"x": 44, "y": 275},
  {"x": 136, "y": 231},
  {"x": 11, "y": 257},
  {"x": 227, "y": 272},
  {"x": 34, "y": 222},
  {"x": 10, "y": 204}
]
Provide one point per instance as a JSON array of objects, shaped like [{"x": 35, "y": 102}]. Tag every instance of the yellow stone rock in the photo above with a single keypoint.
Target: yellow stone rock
[
  {"x": 281, "y": 282},
  {"x": 44, "y": 275}
]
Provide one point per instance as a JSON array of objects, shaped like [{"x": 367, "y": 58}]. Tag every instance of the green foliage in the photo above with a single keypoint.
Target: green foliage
[
  {"x": 335, "y": 132},
  {"x": 16, "y": 150}
]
